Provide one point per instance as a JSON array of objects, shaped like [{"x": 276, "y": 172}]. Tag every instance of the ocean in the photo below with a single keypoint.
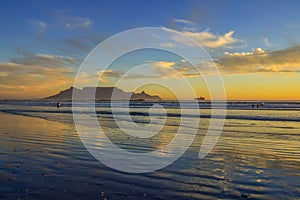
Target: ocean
[{"x": 257, "y": 155}]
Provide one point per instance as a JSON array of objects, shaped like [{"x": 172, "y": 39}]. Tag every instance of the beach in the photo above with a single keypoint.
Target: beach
[
  {"x": 150, "y": 100},
  {"x": 257, "y": 155}
]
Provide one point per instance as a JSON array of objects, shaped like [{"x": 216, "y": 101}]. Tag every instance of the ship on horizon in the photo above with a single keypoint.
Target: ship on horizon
[{"x": 199, "y": 98}]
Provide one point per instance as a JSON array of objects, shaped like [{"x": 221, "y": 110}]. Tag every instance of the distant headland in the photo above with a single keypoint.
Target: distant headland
[{"x": 101, "y": 94}]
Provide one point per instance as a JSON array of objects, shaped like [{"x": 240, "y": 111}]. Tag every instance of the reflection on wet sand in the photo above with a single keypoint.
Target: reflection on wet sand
[{"x": 41, "y": 158}]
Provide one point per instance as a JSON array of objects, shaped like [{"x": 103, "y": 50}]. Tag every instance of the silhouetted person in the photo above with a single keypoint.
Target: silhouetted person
[{"x": 57, "y": 104}]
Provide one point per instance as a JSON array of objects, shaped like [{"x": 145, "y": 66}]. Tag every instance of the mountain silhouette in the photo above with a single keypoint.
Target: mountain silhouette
[{"x": 101, "y": 94}]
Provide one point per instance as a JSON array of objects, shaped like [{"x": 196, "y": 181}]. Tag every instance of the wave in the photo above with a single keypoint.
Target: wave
[
  {"x": 231, "y": 105},
  {"x": 29, "y": 112}
]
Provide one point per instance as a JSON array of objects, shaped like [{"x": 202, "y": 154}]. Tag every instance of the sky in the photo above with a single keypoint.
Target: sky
[{"x": 254, "y": 44}]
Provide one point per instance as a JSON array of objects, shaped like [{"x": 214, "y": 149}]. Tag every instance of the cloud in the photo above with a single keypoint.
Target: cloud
[
  {"x": 77, "y": 43},
  {"x": 163, "y": 69},
  {"x": 210, "y": 40},
  {"x": 77, "y": 23},
  {"x": 183, "y": 25},
  {"x": 204, "y": 38},
  {"x": 183, "y": 21},
  {"x": 293, "y": 26},
  {"x": 35, "y": 76},
  {"x": 167, "y": 44},
  {"x": 39, "y": 26},
  {"x": 266, "y": 42},
  {"x": 149, "y": 70},
  {"x": 44, "y": 60},
  {"x": 83, "y": 44},
  {"x": 152, "y": 70},
  {"x": 255, "y": 51},
  {"x": 286, "y": 60},
  {"x": 162, "y": 64},
  {"x": 257, "y": 61},
  {"x": 102, "y": 74}
]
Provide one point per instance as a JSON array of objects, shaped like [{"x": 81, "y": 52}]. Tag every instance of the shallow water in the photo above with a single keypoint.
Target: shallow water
[{"x": 258, "y": 155}]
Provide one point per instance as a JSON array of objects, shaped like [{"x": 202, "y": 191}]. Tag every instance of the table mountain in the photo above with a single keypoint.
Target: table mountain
[{"x": 101, "y": 94}]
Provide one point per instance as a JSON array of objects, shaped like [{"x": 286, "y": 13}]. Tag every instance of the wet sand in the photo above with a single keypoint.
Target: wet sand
[{"x": 46, "y": 159}]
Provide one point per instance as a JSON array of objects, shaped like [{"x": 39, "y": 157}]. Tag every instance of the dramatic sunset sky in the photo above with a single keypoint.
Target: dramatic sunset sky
[{"x": 255, "y": 44}]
